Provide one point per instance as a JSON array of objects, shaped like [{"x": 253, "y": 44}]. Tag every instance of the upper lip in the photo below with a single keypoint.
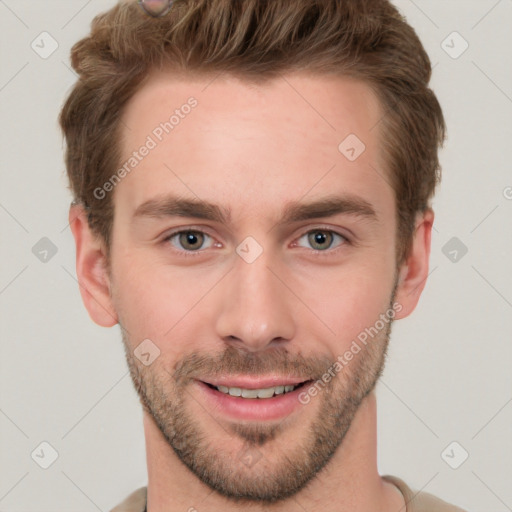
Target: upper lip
[{"x": 254, "y": 382}]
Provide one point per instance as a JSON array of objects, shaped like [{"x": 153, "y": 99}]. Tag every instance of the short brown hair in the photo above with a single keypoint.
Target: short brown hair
[{"x": 255, "y": 40}]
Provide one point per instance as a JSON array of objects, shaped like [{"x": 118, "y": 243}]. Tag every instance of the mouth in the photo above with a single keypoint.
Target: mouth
[
  {"x": 261, "y": 393},
  {"x": 253, "y": 399}
]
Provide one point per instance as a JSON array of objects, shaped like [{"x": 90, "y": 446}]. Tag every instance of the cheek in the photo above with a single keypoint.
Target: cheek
[
  {"x": 143, "y": 306},
  {"x": 349, "y": 299},
  {"x": 154, "y": 302}
]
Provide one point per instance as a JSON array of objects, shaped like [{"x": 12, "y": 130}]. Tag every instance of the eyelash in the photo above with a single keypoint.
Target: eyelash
[{"x": 315, "y": 252}]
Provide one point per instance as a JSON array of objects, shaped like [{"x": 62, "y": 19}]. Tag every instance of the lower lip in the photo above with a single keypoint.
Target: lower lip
[{"x": 237, "y": 407}]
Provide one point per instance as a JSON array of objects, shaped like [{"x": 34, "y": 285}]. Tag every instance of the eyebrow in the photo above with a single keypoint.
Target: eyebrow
[{"x": 294, "y": 211}]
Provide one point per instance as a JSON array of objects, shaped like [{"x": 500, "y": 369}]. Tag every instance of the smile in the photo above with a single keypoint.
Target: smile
[
  {"x": 257, "y": 393},
  {"x": 251, "y": 398}
]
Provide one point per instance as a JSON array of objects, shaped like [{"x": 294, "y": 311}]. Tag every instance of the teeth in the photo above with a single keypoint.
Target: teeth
[
  {"x": 250, "y": 393},
  {"x": 235, "y": 391},
  {"x": 256, "y": 393},
  {"x": 265, "y": 393}
]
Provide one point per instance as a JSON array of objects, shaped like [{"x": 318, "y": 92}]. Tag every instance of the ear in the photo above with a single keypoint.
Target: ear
[
  {"x": 91, "y": 269},
  {"x": 414, "y": 271}
]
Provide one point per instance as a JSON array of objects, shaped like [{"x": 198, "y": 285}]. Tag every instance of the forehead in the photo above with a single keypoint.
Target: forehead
[
  {"x": 323, "y": 107},
  {"x": 218, "y": 137}
]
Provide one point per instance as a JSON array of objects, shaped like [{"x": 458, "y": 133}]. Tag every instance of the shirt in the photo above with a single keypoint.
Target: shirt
[{"x": 415, "y": 501}]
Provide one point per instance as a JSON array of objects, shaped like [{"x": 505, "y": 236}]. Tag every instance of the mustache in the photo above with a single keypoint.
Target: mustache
[{"x": 234, "y": 361}]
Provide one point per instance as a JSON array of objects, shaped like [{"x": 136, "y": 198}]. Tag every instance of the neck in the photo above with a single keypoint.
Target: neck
[{"x": 349, "y": 482}]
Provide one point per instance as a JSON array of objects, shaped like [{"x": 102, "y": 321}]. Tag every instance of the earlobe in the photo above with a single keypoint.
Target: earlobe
[
  {"x": 91, "y": 270},
  {"x": 414, "y": 271}
]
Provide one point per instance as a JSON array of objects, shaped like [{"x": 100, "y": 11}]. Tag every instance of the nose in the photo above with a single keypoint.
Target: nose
[{"x": 255, "y": 309}]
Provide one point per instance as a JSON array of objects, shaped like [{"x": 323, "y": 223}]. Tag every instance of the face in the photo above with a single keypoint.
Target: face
[{"x": 253, "y": 254}]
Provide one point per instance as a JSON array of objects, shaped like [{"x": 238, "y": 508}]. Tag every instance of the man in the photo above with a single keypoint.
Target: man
[{"x": 251, "y": 187}]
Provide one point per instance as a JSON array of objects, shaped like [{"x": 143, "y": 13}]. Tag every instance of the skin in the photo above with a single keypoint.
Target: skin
[{"x": 252, "y": 149}]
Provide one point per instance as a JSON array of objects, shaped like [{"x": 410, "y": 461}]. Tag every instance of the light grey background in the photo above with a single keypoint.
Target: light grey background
[{"x": 64, "y": 380}]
